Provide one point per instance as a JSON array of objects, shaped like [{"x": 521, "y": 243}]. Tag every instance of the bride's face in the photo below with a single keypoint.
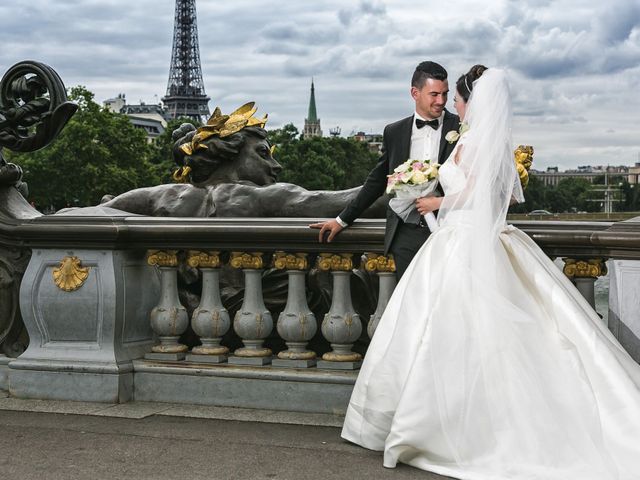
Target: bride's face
[{"x": 460, "y": 105}]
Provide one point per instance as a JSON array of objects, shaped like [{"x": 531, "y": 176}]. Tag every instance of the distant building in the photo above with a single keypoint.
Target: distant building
[
  {"x": 552, "y": 175},
  {"x": 312, "y": 122},
  {"x": 634, "y": 173},
  {"x": 149, "y": 117},
  {"x": 373, "y": 140}
]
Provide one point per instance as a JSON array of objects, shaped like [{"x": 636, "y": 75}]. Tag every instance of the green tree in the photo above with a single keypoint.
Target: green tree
[
  {"x": 97, "y": 153},
  {"x": 321, "y": 163},
  {"x": 284, "y": 136},
  {"x": 534, "y": 197},
  {"x": 631, "y": 195}
]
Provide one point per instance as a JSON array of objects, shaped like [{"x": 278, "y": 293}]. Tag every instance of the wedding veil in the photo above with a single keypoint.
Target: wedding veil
[{"x": 485, "y": 155}]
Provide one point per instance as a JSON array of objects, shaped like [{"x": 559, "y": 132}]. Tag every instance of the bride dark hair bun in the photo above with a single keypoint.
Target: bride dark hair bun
[{"x": 464, "y": 85}]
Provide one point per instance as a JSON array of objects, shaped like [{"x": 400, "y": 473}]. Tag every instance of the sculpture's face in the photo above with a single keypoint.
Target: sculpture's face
[
  {"x": 255, "y": 163},
  {"x": 244, "y": 156}
]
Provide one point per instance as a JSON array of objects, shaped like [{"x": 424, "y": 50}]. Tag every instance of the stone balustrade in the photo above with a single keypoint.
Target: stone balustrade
[
  {"x": 238, "y": 312},
  {"x": 341, "y": 326}
]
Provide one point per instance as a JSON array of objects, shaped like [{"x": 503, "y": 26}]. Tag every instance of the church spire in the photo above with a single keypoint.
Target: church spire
[
  {"x": 312, "y": 122},
  {"x": 313, "y": 115}
]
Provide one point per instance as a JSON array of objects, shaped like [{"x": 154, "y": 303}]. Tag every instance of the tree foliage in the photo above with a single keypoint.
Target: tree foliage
[
  {"x": 100, "y": 152},
  {"x": 573, "y": 195},
  {"x": 97, "y": 153},
  {"x": 321, "y": 163}
]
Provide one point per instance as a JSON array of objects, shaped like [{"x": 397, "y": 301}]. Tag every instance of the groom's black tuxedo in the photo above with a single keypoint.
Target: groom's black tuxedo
[{"x": 403, "y": 240}]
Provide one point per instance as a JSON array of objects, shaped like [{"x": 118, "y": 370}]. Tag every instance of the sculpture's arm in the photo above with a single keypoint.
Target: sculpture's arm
[
  {"x": 170, "y": 200},
  {"x": 285, "y": 200}
]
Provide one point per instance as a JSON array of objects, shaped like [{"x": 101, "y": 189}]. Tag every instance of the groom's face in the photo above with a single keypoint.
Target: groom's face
[{"x": 431, "y": 98}]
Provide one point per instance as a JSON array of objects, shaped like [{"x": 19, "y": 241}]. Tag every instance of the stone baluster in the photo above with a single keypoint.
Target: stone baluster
[
  {"x": 584, "y": 273},
  {"x": 253, "y": 322},
  {"x": 169, "y": 318},
  {"x": 385, "y": 267},
  {"x": 297, "y": 323},
  {"x": 210, "y": 320},
  {"x": 341, "y": 325}
]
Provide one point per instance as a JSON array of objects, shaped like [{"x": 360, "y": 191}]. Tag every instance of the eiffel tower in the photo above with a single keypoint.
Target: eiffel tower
[{"x": 185, "y": 90}]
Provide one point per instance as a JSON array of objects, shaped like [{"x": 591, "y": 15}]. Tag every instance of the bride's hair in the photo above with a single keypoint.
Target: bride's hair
[{"x": 464, "y": 85}]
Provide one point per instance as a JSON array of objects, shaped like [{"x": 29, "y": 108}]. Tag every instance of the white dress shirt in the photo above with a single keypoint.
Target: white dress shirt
[
  {"x": 425, "y": 141},
  {"x": 425, "y": 145}
]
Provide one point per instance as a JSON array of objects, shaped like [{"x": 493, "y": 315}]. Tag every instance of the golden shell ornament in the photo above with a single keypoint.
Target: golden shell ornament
[{"x": 70, "y": 275}]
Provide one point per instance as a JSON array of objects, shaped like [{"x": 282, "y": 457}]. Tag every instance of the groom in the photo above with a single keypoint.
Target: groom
[{"x": 420, "y": 136}]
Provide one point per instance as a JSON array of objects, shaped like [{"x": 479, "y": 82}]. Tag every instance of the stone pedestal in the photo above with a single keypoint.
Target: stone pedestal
[
  {"x": 341, "y": 325},
  {"x": 87, "y": 315},
  {"x": 296, "y": 323},
  {"x": 385, "y": 268},
  {"x": 252, "y": 322}
]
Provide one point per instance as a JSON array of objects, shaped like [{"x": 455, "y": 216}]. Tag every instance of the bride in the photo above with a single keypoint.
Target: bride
[{"x": 488, "y": 363}]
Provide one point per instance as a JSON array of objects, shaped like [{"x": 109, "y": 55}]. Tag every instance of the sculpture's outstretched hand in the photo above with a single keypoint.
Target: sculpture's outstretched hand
[{"x": 328, "y": 229}]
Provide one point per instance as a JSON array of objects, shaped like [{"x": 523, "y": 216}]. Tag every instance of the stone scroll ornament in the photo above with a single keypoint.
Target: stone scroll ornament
[{"x": 33, "y": 111}]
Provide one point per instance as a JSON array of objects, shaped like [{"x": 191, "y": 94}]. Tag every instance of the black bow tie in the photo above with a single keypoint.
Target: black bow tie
[{"x": 432, "y": 123}]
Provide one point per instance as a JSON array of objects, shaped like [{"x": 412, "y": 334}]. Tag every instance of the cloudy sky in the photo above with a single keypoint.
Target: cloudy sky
[{"x": 574, "y": 67}]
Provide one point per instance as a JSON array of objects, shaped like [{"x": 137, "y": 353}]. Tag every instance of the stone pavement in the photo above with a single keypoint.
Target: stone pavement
[{"x": 56, "y": 440}]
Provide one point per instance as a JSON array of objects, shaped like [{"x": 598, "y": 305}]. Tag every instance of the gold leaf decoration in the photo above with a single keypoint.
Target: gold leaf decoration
[
  {"x": 336, "y": 262},
  {"x": 379, "y": 263},
  {"x": 196, "y": 258},
  {"x": 163, "y": 258},
  {"x": 224, "y": 126},
  {"x": 290, "y": 261},
  {"x": 592, "y": 268},
  {"x": 181, "y": 175},
  {"x": 246, "y": 260},
  {"x": 70, "y": 275}
]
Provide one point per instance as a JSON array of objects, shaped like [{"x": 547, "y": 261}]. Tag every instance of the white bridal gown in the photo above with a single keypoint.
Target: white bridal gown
[{"x": 524, "y": 384}]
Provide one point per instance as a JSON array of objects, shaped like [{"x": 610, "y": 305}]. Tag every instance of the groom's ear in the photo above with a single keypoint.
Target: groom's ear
[{"x": 414, "y": 93}]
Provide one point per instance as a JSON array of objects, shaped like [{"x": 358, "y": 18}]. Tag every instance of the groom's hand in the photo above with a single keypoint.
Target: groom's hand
[{"x": 330, "y": 228}]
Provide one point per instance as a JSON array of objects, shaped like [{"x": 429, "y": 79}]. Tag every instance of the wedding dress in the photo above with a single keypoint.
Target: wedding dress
[{"x": 488, "y": 364}]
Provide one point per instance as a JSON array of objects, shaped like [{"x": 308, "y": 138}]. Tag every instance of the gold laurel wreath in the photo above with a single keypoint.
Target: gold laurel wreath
[{"x": 224, "y": 125}]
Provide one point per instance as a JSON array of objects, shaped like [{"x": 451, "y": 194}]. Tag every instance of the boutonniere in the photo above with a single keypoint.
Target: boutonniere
[{"x": 453, "y": 136}]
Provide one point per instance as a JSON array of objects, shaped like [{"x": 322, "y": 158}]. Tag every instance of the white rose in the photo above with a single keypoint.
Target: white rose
[
  {"x": 418, "y": 177},
  {"x": 452, "y": 136}
]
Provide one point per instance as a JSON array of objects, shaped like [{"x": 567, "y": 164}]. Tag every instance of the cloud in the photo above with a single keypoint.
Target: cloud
[{"x": 574, "y": 67}]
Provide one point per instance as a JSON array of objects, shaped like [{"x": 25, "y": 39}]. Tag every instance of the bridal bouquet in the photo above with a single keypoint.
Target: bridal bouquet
[{"x": 409, "y": 181}]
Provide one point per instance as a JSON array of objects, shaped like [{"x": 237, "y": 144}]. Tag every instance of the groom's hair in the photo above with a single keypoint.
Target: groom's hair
[{"x": 427, "y": 70}]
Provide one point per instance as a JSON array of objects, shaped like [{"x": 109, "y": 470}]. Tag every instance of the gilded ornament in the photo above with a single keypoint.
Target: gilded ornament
[
  {"x": 70, "y": 275},
  {"x": 524, "y": 158},
  {"x": 224, "y": 125},
  {"x": 337, "y": 262},
  {"x": 246, "y": 260},
  {"x": 592, "y": 268},
  {"x": 181, "y": 175},
  {"x": 197, "y": 258},
  {"x": 290, "y": 261},
  {"x": 163, "y": 258},
  {"x": 379, "y": 263}
]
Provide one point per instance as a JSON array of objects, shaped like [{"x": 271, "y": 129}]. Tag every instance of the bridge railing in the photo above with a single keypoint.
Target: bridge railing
[{"x": 100, "y": 293}]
